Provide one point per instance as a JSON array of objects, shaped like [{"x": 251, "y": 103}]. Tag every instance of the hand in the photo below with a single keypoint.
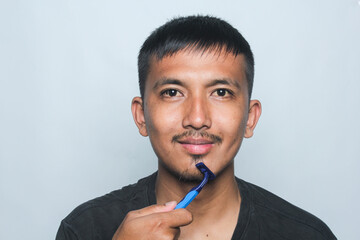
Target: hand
[{"x": 153, "y": 222}]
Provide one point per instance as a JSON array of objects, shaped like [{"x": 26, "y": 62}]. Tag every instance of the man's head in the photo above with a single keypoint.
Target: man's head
[
  {"x": 202, "y": 33},
  {"x": 196, "y": 76}
]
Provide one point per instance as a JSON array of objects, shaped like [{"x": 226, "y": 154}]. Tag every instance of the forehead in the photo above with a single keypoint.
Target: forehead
[{"x": 197, "y": 66}]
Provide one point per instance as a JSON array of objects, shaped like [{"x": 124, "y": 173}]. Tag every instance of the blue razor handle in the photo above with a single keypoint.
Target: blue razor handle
[
  {"x": 187, "y": 199},
  {"x": 208, "y": 175}
]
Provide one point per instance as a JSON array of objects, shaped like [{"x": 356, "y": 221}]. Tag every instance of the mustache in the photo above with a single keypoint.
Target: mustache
[{"x": 194, "y": 133}]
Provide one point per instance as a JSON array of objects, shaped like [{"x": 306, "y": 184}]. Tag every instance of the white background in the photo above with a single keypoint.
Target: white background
[{"x": 68, "y": 74}]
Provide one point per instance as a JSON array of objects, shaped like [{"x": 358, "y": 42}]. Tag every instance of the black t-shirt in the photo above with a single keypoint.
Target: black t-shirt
[{"x": 262, "y": 215}]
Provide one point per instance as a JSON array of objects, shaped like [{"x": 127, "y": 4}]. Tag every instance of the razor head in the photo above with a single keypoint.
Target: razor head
[{"x": 204, "y": 169}]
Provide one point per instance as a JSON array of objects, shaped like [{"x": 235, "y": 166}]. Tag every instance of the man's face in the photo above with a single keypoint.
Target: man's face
[{"x": 196, "y": 108}]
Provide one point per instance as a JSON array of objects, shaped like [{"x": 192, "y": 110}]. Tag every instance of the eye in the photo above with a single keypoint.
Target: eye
[
  {"x": 222, "y": 92},
  {"x": 170, "y": 93}
]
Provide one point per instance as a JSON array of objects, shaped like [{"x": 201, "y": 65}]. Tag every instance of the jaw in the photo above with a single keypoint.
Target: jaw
[{"x": 172, "y": 185}]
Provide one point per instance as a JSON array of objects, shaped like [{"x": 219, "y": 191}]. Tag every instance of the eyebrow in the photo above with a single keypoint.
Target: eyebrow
[
  {"x": 224, "y": 81},
  {"x": 166, "y": 81}
]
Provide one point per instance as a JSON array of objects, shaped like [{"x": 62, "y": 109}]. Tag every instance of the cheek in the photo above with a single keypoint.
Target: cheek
[
  {"x": 232, "y": 126},
  {"x": 231, "y": 118},
  {"x": 161, "y": 121},
  {"x": 162, "y": 124}
]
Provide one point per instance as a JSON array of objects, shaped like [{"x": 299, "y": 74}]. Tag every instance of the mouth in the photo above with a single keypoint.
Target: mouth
[{"x": 197, "y": 146}]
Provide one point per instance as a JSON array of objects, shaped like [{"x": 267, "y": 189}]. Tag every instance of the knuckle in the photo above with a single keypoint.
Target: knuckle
[
  {"x": 187, "y": 215},
  {"x": 160, "y": 223},
  {"x": 128, "y": 224},
  {"x": 170, "y": 234},
  {"x": 130, "y": 215}
]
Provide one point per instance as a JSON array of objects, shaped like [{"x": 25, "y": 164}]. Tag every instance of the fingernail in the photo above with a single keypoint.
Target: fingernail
[{"x": 170, "y": 203}]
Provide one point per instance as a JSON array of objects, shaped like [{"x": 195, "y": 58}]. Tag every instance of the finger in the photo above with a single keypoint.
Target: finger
[
  {"x": 182, "y": 217},
  {"x": 158, "y": 208},
  {"x": 173, "y": 219}
]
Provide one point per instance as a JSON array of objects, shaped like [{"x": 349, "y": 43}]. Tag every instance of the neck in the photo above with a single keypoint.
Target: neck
[{"x": 219, "y": 199}]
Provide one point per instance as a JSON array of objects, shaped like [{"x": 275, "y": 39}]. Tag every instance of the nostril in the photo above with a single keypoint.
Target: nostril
[
  {"x": 197, "y": 120},
  {"x": 197, "y": 113}
]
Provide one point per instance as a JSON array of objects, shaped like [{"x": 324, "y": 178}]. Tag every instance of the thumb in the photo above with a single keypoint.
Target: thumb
[{"x": 169, "y": 206}]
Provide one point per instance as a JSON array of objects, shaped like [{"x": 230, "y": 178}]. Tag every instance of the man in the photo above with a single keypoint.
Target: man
[{"x": 196, "y": 75}]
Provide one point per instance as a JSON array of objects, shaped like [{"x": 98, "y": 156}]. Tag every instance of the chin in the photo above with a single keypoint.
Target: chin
[
  {"x": 193, "y": 176},
  {"x": 190, "y": 178}
]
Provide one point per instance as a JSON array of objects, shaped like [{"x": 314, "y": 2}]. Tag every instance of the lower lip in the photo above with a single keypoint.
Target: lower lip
[{"x": 197, "y": 149}]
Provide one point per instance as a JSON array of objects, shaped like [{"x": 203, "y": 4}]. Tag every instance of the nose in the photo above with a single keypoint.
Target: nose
[{"x": 197, "y": 113}]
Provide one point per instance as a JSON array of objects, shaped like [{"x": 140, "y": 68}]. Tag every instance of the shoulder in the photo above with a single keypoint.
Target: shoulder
[
  {"x": 125, "y": 199},
  {"x": 102, "y": 215},
  {"x": 275, "y": 213}
]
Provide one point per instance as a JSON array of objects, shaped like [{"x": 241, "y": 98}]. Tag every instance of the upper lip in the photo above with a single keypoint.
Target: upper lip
[{"x": 196, "y": 141}]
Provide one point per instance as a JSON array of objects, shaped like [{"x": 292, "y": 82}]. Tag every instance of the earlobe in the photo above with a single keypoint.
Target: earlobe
[
  {"x": 253, "y": 118},
  {"x": 138, "y": 115}
]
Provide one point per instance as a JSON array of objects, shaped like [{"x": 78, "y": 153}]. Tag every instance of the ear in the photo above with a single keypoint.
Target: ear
[
  {"x": 253, "y": 117},
  {"x": 138, "y": 115}
]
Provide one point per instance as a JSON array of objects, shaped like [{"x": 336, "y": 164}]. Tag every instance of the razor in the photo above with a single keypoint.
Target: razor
[{"x": 208, "y": 175}]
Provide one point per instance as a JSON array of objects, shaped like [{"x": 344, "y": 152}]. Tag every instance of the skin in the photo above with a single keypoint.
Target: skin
[{"x": 196, "y": 108}]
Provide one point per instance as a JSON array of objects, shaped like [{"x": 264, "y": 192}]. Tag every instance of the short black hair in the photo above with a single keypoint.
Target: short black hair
[{"x": 195, "y": 32}]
